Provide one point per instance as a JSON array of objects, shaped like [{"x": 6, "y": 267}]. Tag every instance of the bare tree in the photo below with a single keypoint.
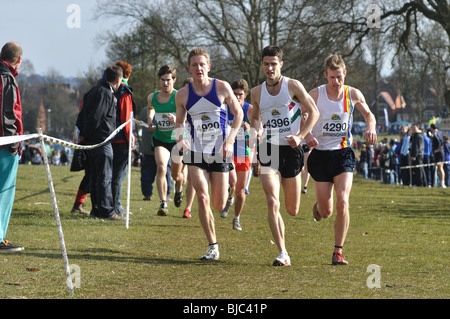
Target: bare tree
[
  {"x": 236, "y": 31},
  {"x": 402, "y": 25}
]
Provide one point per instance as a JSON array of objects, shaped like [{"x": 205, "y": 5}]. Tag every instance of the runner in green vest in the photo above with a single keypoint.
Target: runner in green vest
[{"x": 161, "y": 121}]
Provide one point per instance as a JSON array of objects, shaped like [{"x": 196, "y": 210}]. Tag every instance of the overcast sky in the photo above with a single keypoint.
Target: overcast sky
[{"x": 52, "y": 37}]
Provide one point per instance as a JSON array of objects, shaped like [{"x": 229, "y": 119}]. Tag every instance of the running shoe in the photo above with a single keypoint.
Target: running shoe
[
  {"x": 256, "y": 171},
  {"x": 163, "y": 210},
  {"x": 187, "y": 213},
  {"x": 283, "y": 259},
  {"x": 338, "y": 259},
  {"x": 236, "y": 224},
  {"x": 6, "y": 246},
  {"x": 178, "y": 199},
  {"x": 316, "y": 215},
  {"x": 224, "y": 212},
  {"x": 212, "y": 253}
]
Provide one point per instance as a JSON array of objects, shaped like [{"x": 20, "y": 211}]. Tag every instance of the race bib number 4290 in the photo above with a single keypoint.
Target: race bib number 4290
[{"x": 334, "y": 124}]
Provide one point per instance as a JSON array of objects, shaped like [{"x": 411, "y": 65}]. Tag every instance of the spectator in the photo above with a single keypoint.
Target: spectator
[
  {"x": 96, "y": 122},
  {"x": 385, "y": 164},
  {"x": 427, "y": 159},
  {"x": 417, "y": 150},
  {"x": 446, "y": 160},
  {"x": 364, "y": 161},
  {"x": 10, "y": 125},
  {"x": 405, "y": 156},
  {"x": 120, "y": 143},
  {"x": 395, "y": 167},
  {"x": 438, "y": 151}
]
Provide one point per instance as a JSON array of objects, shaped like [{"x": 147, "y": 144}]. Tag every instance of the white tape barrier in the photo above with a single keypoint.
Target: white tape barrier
[
  {"x": 42, "y": 138},
  {"x": 16, "y": 138},
  {"x": 5, "y": 140},
  {"x": 423, "y": 165}
]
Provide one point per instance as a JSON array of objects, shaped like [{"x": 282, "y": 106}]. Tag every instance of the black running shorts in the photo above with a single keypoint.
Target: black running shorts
[
  {"x": 210, "y": 163},
  {"x": 323, "y": 166},
  {"x": 287, "y": 160}
]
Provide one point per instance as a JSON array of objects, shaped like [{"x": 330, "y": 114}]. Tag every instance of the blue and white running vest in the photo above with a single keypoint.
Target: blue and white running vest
[
  {"x": 207, "y": 118},
  {"x": 240, "y": 144}
]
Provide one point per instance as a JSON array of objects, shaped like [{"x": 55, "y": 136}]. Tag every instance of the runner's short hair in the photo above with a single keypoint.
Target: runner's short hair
[
  {"x": 196, "y": 52},
  {"x": 167, "y": 69},
  {"x": 272, "y": 51},
  {"x": 240, "y": 84},
  {"x": 334, "y": 62}
]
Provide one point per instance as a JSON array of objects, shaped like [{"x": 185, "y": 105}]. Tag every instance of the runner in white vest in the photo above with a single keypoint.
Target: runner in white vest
[
  {"x": 280, "y": 153},
  {"x": 332, "y": 161}
]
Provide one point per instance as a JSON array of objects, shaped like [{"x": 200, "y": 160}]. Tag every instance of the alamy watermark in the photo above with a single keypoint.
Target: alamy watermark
[
  {"x": 75, "y": 275},
  {"x": 374, "y": 16},
  {"x": 374, "y": 279},
  {"x": 73, "y": 21}
]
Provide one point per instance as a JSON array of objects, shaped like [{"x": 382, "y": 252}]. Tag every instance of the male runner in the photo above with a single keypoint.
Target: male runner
[
  {"x": 161, "y": 111},
  {"x": 242, "y": 164},
  {"x": 204, "y": 102},
  {"x": 278, "y": 101},
  {"x": 332, "y": 161}
]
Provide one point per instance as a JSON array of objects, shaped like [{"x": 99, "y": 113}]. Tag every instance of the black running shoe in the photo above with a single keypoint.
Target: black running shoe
[{"x": 178, "y": 198}]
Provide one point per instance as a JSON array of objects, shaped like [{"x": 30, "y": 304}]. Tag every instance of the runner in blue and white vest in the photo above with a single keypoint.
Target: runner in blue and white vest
[{"x": 209, "y": 150}]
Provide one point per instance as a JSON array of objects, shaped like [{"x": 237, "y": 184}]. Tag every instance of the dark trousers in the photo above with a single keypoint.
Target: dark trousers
[
  {"x": 148, "y": 175},
  {"x": 101, "y": 164},
  {"x": 405, "y": 161},
  {"x": 120, "y": 161},
  {"x": 418, "y": 173},
  {"x": 427, "y": 169}
]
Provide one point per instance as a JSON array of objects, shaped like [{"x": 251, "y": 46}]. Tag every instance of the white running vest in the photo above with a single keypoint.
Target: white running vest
[
  {"x": 333, "y": 128},
  {"x": 280, "y": 114}
]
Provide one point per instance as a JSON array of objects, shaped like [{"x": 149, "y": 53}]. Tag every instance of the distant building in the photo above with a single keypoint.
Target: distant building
[{"x": 388, "y": 110}]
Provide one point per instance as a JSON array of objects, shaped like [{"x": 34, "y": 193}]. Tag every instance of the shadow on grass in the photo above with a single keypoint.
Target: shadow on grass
[{"x": 110, "y": 255}]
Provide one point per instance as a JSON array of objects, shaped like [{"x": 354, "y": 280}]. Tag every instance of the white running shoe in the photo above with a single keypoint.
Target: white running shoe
[
  {"x": 282, "y": 259},
  {"x": 163, "y": 210},
  {"x": 224, "y": 212},
  {"x": 212, "y": 253},
  {"x": 236, "y": 224}
]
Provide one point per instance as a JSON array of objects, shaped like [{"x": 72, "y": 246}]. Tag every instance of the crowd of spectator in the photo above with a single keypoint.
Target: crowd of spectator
[{"x": 419, "y": 158}]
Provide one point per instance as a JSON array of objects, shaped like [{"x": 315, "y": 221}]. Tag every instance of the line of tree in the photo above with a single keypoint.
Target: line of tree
[{"x": 409, "y": 38}]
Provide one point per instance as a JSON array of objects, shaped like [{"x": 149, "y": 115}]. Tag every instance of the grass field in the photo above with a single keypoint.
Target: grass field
[{"x": 402, "y": 230}]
